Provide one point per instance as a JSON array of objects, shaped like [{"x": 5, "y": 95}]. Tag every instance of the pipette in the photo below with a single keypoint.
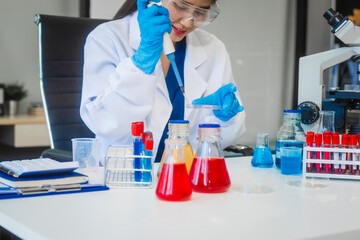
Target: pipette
[{"x": 169, "y": 51}]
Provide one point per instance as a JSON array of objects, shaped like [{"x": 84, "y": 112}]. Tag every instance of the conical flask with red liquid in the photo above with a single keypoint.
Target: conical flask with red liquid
[
  {"x": 174, "y": 183},
  {"x": 208, "y": 172}
]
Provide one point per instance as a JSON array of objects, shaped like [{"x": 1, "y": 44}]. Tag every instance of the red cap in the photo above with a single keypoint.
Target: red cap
[
  {"x": 335, "y": 138},
  {"x": 327, "y": 132},
  {"x": 345, "y": 139},
  {"x": 318, "y": 138},
  {"x": 310, "y": 137},
  {"x": 146, "y": 135},
  {"x": 141, "y": 124},
  {"x": 327, "y": 138},
  {"x": 135, "y": 129},
  {"x": 149, "y": 144},
  {"x": 353, "y": 140}
]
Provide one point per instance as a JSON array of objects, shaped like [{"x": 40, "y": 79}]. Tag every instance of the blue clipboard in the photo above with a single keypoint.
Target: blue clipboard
[{"x": 8, "y": 192}]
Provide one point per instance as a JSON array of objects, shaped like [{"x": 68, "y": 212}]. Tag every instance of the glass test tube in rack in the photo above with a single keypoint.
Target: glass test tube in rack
[
  {"x": 347, "y": 159},
  {"x": 120, "y": 170}
]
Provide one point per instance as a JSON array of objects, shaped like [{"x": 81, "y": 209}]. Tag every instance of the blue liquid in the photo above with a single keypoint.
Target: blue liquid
[
  {"x": 147, "y": 165},
  {"x": 262, "y": 158},
  {"x": 291, "y": 165},
  {"x": 286, "y": 143},
  {"x": 137, "y": 160}
]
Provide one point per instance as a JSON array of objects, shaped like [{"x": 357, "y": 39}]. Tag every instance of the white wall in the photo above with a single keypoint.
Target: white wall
[
  {"x": 19, "y": 52},
  {"x": 259, "y": 35},
  {"x": 104, "y": 9}
]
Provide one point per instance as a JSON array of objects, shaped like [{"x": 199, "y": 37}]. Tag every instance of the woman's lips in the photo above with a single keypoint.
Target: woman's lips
[{"x": 178, "y": 31}]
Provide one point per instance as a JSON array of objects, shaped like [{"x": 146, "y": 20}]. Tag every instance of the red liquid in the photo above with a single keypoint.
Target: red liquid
[
  {"x": 174, "y": 183},
  {"x": 209, "y": 175}
]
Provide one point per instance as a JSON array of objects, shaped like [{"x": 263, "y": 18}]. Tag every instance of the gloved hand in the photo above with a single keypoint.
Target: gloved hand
[
  {"x": 225, "y": 98},
  {"x": 153, "y": 22}
]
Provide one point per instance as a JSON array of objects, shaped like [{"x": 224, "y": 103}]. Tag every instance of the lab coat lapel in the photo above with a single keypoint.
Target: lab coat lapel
[
  {"x": 134, "y": 41},
  {"x": 195, "y": 84}
]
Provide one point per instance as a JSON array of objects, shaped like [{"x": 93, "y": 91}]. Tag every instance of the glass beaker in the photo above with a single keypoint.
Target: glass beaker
[
  {"x": 179, "y": 129},
  {"x": 208, "y": 172},
  {"x": 174, "y": 183},
  {"x": 326, "y": 121},
  {"x": 262, "y": 156}
]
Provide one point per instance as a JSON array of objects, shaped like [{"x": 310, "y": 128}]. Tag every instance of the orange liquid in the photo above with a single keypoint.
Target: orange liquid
[{"x": 188, "y": 157}]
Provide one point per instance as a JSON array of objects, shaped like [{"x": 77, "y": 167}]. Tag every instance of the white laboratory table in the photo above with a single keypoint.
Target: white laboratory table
[{"x": 284, "y": 212}]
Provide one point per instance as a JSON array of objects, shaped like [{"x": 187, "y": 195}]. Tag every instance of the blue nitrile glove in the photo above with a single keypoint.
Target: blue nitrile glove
[
  {"x": 225, "y": 98},
  {"x": 153, "y": 22}
]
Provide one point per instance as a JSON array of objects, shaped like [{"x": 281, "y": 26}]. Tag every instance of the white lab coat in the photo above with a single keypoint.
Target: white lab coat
[{"x": 116, "y": 93}]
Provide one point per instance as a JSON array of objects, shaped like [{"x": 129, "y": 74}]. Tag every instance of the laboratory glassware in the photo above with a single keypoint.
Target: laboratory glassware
[
  {"x": 86, "y": 151},
  {"x": 179, "y": 129},
  {"x": 290, "y": 134},
  {"x": 262, "y": 156},
  {"x": 208, "y": 172},
  {"x": 326, "y": 121},
  {"x": 174, "y": 183},
  {"x": 291, "y": 160}
]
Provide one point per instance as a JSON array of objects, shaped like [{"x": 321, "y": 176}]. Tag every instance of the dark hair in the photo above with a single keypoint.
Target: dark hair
[{"x": 126, "y": 9}]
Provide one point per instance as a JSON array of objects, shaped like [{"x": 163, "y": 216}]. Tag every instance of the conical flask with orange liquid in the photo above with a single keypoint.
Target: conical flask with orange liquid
[
  {"x": 179, "y": 129},
  {"x": 174, "y": 183},
  {"x": 208, "y": 173}
]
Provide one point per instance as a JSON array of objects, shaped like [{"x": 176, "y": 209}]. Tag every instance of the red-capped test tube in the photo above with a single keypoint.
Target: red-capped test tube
[
  {"x": 354, "y": 157},
  {"x": 336, "y": 155},
  {"x": 310, "y": 143},
  {"x": 344, "y": 156},
  {"x": 327, "y": 144},
  {"x": 318, "y": 142}
]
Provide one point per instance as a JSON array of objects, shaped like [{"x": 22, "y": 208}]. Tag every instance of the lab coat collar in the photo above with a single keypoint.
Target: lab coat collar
[
  {"x": 195, "y": 85},
  {"x": 134, "y": 38}
]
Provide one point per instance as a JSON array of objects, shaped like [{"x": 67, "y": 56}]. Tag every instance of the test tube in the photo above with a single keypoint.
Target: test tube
[
  {"x": 354, "y": 156},
  {"x": 327, "y": 144},
  {"x": 310, "y": 143},
  {"x": 336, "y": 155},
  {"x": 344, "y": 156},
  {"x": 318, "y": 142}
]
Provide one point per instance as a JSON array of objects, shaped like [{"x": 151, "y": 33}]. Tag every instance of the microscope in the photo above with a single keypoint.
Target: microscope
[{"x": 312, "y": 96}]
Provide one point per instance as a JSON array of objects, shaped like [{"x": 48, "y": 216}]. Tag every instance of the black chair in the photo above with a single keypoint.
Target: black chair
[{"x": 61, "y": 58}]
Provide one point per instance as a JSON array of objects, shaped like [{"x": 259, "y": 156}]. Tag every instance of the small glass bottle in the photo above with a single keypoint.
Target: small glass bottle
[
  {"x": 262, "y": 156},
  {"x": 179, "y": 129},
  {"x": 208, "y": 172},
  {"x": 174, "y": 183},
  {"x": 290, "y": 134}
]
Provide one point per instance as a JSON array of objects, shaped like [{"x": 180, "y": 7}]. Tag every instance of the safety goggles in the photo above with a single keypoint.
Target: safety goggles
[{"x": 187, "y": 11}]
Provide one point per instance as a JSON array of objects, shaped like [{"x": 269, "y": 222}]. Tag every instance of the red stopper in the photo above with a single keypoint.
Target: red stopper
[
  {"x": 327, "y": 138},
  {"x": 335, "y": 138},
  {"x": 353, "y": 140},
  {"x": 318, "y": 138},
  {"x": 135, "y": 129},
  {"x": 345, "y": 139}
]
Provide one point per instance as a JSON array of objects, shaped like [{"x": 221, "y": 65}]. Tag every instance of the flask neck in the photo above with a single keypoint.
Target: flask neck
[
  {"x": 291, "y": 117},
  {"x": 174, "y": 151},
  {"x": 178, "y": 130}
]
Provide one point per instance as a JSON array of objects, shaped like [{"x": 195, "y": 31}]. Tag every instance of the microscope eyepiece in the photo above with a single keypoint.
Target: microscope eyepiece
[{"x": 333, "y": 17}]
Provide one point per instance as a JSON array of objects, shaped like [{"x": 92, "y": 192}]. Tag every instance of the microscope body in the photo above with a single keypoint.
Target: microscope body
[{"x": 312, "y": 96}]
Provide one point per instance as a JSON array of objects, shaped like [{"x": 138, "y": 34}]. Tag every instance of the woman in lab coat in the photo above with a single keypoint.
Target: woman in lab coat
[{"x": 125, "y": 74}]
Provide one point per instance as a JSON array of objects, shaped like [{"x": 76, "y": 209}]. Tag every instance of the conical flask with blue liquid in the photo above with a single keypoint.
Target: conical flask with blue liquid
[{"x": 262, "y": 157}]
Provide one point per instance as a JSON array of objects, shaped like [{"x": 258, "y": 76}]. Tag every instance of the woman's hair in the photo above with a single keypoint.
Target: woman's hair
[{"x": 128, "y": 8}]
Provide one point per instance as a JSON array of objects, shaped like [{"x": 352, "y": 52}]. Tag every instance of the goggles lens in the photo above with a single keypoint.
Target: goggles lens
[{"x": 200, "y": 16}]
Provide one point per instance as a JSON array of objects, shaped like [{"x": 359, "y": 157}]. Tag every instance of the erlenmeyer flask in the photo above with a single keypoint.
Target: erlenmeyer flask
[
  {"x": 174, "y": 183},
  {"x": 179, "y": 129},
  {"x": 262, "y": 156},
  {"x": 326, "y": 121},
  {"x": 208, "y": 172}
]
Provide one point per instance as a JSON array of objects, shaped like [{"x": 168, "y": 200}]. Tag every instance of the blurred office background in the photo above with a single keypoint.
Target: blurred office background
[{"x": 264, "y": 39}]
